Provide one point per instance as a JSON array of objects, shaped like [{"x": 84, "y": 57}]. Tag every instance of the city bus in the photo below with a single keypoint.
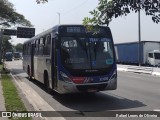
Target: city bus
[{"x": 72, "y": 59}]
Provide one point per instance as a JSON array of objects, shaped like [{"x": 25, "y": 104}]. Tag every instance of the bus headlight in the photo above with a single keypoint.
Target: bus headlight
[{"x": 65, "y": 77}]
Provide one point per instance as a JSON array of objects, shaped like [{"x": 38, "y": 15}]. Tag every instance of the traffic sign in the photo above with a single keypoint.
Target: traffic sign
[
  {"x": 9, "y": 32},
  {"x": 23, "y": 32}
]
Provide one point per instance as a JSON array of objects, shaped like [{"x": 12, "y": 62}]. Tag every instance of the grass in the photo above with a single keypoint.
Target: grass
[
  {"x": 3, "y": 71},
  {"x": 12, "y": 100},
  {"x": 0, "y": 67}
]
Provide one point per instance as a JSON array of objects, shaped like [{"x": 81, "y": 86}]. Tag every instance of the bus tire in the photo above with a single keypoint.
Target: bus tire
[{"x": 46, "y": 82}]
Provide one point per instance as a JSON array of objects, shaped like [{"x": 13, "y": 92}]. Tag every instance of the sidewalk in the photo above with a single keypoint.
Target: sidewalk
[
  {"x": 2, "y": 103},
  {"x": 139, "y": 69}
]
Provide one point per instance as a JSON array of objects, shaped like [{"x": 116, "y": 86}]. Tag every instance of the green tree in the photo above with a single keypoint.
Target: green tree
[
  {"x": 6, "y": 45},
  {"x": 109, "y": 9},
  {"x": 41, "y": 1},
  {"x": 19, "y": 47},
  {"x": 9, "y": 17}
]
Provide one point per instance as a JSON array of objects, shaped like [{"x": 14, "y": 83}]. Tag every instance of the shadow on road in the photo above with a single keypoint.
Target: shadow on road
[{"x": 96, "y": 102}]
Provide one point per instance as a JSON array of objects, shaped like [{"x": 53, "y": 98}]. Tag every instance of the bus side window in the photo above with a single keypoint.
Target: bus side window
[
  {"x": 24, "y": 49},
  {"x": 41, "y": 45},
  {"x": 47, "y": 45},
  {"x": 35, "y": 47},
  {"x": 38, "y": 47},
  {"x": 28, "y": 49}
]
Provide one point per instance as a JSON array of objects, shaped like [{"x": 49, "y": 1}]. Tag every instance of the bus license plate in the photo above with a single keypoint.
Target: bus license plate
[{"x": 92, "y": 90}]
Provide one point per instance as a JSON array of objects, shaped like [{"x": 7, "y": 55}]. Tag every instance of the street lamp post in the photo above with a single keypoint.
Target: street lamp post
[
  {"x": 59, "y": 17},
  {"x": 1, "y": 34},
  {"x": 139, "y": 37}
]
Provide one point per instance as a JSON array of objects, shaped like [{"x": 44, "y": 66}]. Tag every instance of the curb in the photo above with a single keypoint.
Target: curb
[{"x": 2, "y": 102}]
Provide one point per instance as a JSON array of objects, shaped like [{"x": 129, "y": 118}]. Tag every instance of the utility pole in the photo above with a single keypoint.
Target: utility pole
[
  {"x": 1, "y": 35},
  {"x": 59, "y": 17},
  {"x": 139, "y": 37}
]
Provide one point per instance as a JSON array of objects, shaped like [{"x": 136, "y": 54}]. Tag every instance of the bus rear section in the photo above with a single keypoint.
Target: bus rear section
[{"x": 86, "y": 62}]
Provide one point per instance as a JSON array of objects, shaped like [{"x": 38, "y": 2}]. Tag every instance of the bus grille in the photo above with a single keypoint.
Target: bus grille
[{"x": 85, "y": 88}]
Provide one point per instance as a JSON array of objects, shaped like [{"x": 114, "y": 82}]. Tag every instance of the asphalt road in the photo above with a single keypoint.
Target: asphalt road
[{"x": 136, "y": 92}]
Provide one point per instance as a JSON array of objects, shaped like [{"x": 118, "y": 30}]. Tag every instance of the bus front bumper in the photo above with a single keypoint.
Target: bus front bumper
[{"x": 65, "y": 87}]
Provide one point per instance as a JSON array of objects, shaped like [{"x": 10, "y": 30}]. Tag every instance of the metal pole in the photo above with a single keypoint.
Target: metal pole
[
  {"x": 139, "y": 34},
  {"x": 59, "y": 17},
  {"x": 1, "y": 46}
]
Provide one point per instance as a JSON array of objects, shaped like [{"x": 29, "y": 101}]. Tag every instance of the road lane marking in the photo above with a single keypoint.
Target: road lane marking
[{"x": 36, "y": 100}]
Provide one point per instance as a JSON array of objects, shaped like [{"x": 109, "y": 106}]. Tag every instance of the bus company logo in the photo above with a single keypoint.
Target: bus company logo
[
  {"x": 6, "y": 114},
  {"x": 88, "y": 80}
]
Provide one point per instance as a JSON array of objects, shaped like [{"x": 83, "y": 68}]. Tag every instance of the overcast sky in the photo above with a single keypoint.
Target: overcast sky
[{"x": 45, "y": 16}]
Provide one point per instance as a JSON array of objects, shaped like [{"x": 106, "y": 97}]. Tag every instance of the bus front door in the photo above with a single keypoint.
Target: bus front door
[{"x": 54, "y": 64}]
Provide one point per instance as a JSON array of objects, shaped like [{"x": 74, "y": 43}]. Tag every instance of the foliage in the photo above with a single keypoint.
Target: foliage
[
  {"x": 6, "y": 45},
  {"x": 19, "y": 47},
  {"x": 109, "y": 9},
  {"x": 13, "y": 101},
  {"x": 8, "y": 15},
  {"x": 41, "y": 1}
]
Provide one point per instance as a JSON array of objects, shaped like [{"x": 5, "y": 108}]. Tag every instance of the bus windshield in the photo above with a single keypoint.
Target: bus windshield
[{"x": 86, "y": 52}]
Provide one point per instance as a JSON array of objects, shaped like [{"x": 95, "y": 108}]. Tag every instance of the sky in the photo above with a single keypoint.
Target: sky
[{"x": 45, "y": 16}]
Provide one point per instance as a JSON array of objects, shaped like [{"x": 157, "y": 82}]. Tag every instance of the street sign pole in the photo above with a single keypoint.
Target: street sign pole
[
  {"x": 1, "y": 35},
  {"x": 21, "y": 32}
]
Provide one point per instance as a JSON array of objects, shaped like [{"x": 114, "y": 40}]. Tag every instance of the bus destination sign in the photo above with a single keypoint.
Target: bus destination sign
[
  {"x": 72, "y": 29},
  {"x": 75, "y": 30},
  {"x": 83, "y": 30}
]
